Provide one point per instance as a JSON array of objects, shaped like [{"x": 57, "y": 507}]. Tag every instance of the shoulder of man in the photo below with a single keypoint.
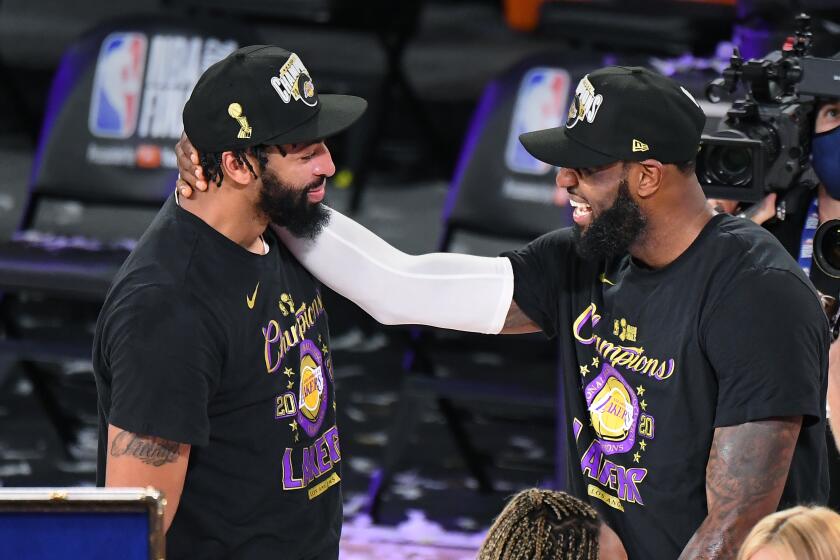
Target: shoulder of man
[
  {"x": 162, "y": 258},
  {"x": 751, "y": 246},
  {"x": 558, "y": 242}
]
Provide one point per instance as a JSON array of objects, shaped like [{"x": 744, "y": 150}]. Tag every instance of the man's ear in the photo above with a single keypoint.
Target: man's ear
[
  {"x": 650, "y": 176},
  {"x": 235, "y": 170}
]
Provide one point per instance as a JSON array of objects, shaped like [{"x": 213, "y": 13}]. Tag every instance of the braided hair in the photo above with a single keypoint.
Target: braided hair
[
  {"x": 212, "y": 162},
  {"x": 541, "y": 525}
]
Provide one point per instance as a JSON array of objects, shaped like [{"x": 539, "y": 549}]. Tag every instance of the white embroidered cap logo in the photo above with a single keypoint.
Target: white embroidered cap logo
[
  {"x": 585, "y": 104},
  {"x": 292, "y": 82}
]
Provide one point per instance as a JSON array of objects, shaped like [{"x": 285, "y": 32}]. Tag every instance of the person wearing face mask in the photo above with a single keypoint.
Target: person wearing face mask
[{"x": 825, "y": 157}]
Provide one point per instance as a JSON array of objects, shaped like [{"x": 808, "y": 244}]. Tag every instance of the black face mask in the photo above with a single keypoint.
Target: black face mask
[
  {"x": 614, "y": 230},
  {"x": 290, "y": 208}
]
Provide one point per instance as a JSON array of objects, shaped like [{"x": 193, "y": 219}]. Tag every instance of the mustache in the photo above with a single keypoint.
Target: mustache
[{"x": 315, "y": 185}]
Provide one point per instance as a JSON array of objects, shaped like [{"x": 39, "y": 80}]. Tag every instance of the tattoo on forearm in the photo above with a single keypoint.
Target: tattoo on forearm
[
  {"x": 746, "y": 473},
  {"x": 151, "y": 450}
]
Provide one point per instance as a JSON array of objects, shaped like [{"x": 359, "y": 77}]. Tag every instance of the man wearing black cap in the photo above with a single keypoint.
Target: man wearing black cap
[
  {"x": 702, "y": 405},
  {"x": 694, "y": 349},
  {"x": 212, "y": 351}
]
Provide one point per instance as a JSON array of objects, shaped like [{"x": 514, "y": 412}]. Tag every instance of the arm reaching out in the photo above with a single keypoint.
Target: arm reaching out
[{"x": 445, "y": 290}]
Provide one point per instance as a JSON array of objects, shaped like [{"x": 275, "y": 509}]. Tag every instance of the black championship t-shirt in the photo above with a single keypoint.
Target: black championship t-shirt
[
  {"x": 205, "y": 343},
  {"x": 655, "y": 360}
]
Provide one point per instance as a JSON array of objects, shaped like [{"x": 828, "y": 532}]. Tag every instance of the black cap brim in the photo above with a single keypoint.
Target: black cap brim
[
  {"x": 553, "y": 146},
  {"x": 337, "y": 113}
]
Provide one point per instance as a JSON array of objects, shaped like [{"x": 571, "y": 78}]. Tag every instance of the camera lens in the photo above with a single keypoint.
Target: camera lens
[
  {"x": 729, "y": 165},
  {"x": 736, "y": 161},
  {"x": 827, "y": 248}
]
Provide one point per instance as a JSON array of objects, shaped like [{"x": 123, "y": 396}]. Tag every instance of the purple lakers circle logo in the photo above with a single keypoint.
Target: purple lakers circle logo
[
  {"x": 312, "y": 400},
  {"x": 613, "y": 410}
]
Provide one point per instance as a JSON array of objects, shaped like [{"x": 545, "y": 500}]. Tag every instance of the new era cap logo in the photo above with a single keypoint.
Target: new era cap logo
[
  {"x": 293, "y": 82},
  {"x": 585, "y": 104},
  {"x": 639, "y": 146}
]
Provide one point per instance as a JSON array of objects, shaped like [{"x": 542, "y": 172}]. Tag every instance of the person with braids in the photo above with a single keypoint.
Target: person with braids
[
  {"x": 798, "y": 533},
  {"x": 541, "y": 524},
  {"x": 212, "y": 351}
]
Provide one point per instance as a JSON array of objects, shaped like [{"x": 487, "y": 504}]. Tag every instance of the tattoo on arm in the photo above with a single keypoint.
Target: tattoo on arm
[
  {"x": 517, "y": 322},
  {"x": 151, "y": 450},
  {"x": 745, "y": 476}
]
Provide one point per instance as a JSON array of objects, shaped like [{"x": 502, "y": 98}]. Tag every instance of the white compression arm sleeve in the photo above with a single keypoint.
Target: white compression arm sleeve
[{"x": 446, "y": 290}]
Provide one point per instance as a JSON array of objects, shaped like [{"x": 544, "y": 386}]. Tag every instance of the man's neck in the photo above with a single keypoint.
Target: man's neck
[
  {"x": 673, "y": 228},
  {"x": 232, "y": 216}
]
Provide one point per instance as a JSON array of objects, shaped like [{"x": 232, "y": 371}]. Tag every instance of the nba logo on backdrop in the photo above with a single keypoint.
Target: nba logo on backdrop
[
  {"x": 115, "y": 98},
  {"x": 540, "y": 103}
]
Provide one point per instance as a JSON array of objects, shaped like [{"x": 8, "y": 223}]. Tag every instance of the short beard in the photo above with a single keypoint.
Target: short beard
[
  {"x": 614, "y": 230},
  {"x": 290, "y": 208}
]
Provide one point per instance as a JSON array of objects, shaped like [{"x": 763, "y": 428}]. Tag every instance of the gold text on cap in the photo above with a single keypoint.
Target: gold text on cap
[
  {"x": 235, "y": 111},
  {"x": 639, "y": 146}
]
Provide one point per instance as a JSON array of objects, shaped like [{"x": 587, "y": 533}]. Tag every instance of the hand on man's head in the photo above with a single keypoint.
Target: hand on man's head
[{"x": 190, "y": 173}]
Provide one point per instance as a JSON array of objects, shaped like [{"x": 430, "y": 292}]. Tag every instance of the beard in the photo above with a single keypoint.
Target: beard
[
  {"x": 289, "y": 207},
  {"x": 614, "y": 230}
]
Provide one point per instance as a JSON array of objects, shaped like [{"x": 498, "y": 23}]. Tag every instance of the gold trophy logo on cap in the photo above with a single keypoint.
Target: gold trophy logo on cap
[{"x": 235, "y": 111}]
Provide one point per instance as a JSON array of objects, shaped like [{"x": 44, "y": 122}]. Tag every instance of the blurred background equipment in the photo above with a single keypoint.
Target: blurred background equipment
[
  {"x": 102, "y": 168},
  {"x": 427, "y": 418},
  {"x": 764, "y": 144},
  {"x": 827, "y": 248}
]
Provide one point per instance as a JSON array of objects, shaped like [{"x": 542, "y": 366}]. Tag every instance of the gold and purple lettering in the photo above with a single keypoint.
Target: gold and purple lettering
[
  {"x": 629, "y": 357},
  {"x": 611, "y": 475},
  {"x": 289, "y": 480},
  {"x": 331, "y": 438},
  {"x": 588, "y": 314},
  {"x": 286, "y": 405}
]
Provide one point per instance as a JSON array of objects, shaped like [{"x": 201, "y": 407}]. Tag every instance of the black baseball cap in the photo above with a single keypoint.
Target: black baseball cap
[
  {"x": 622, "y": 114},
  {"x": 262, "y": 94}
]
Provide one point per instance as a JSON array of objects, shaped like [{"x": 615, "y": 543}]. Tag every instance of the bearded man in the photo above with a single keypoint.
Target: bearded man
[{"x": 212, "y": 351}]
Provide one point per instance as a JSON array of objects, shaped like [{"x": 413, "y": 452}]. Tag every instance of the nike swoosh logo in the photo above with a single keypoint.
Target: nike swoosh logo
[
  {"x": 604, "y": 280},
  {"x": 251, "y": 300}
]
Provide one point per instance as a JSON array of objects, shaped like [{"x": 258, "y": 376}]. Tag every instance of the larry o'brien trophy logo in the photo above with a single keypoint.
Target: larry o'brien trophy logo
[
  {"x": 613, "y": 410},
  {"x": 312, "y": 401}
]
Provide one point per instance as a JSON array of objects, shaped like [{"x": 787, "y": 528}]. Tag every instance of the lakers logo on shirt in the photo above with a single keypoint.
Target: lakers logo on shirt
[
  {"x": 313, "y": 392},
  {"x": 311, "y": 387},
  {"x": 613, "y": 410}
]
